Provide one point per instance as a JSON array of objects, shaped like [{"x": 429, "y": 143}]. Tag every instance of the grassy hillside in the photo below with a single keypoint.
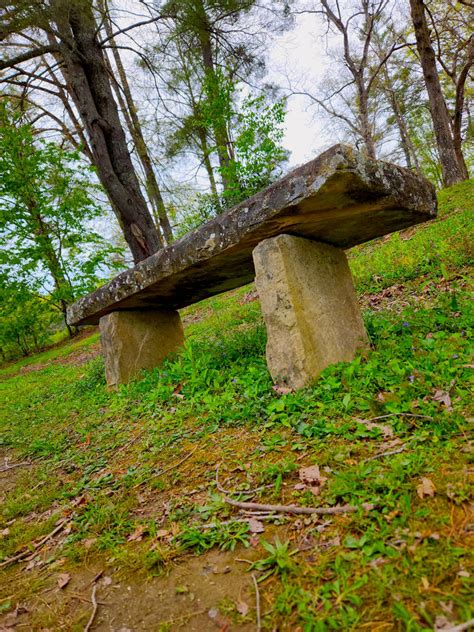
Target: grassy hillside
[{"x": 133, "y": 484}]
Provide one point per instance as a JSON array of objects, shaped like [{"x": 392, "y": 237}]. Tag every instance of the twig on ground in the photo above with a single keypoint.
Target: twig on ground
[
  {"x": 94, "y": 609},
  {"x": 14, "y": 465},
  {"x": 382, "y": 454},
  {"x": 212, "y": 525},
  {"x": 167, "y": 469},
  {"x": 257, "y": 603},
  {"x": 75, "y": 595},
  {"x": 461, "y": 627},
  {"x": 295, "y": 509},
  {"x": 28, "y": 555},
  {"x": 98, "y": 576},
  {"x": 399, "y": 415}
]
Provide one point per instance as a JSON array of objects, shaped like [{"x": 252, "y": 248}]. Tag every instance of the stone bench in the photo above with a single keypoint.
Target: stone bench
[{"x": 291, "y": 238}]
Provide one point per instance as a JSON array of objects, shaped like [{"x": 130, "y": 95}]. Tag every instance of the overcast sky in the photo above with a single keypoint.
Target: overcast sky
[{"x": 297, "y": 58}]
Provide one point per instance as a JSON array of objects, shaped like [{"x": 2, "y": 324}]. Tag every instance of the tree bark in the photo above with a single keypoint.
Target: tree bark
[
  {"x": 223, "y": 143},
  {"x": 86, "y": 74},
  {"x": 365, "y": 125},
  {"x": 405, "y": 140},
  {"x": 135, "y": 129},
  {"x": 53, "y": 263},
  {"x": 451, "y": 167},
  {"x": 207, "y": 162}
]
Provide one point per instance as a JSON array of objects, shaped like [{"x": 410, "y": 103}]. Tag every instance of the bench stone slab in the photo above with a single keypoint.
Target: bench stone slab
[
  {"x": 310, "y": 308},
  {"x": 340, "y": 198}
]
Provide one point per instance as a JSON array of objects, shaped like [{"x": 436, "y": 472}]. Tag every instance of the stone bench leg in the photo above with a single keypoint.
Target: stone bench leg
[
  {"x": 135, "y": 340},
  {"x": 309, "y": 306}
]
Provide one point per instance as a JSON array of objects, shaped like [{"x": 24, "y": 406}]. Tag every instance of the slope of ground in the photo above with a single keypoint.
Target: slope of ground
[{"x": 121, "y": 499}]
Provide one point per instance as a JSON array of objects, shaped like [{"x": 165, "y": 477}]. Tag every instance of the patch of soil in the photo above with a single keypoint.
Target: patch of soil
[
  {"x": 76, "y": 358},
  {"x": 8, "y": 474},
  {"x": 188, "y": 599},
  {"x": 196, "y": 595}
]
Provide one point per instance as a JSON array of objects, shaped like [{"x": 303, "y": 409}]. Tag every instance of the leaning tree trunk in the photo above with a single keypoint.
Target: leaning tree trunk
[
  {"x": 452, "y": 169},
  {"x": 86, "y": 74},
  {"x": 135, "y": 129}
]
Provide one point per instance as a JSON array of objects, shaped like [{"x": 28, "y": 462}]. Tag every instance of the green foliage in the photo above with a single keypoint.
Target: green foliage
[
  {"x": 24, "y": 321},
  {"x": 259, "y": 153},
  {"x": 47, "y": 245},
  {"x": 278, "y": 562},
  {"x": 225, "y": 536},
  {"x": 258, "y": 156},
  {"x": 435, "y": 248}
]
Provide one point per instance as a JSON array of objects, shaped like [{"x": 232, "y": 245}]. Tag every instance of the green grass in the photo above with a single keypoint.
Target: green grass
[{"x": 101, "y": 457}]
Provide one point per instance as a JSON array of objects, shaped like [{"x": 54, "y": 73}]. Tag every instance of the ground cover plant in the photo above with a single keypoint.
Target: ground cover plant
[{"x": 128, "y": 506}]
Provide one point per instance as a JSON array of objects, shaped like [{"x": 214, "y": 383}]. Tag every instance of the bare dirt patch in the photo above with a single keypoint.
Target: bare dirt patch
[{"x": 197, "y": 595}]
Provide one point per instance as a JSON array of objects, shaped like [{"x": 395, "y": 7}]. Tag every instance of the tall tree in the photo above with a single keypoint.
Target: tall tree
[
  {"x": 451, "y": 24},
  {"x": 70, "y": 33},
  {"x": 349, "y": 94},
  {"x": 212, "y": 51},
  {"x": 46, "y": 203},
  {"x": 453, "y": 169},
  {"x": 124, "y": 96}
]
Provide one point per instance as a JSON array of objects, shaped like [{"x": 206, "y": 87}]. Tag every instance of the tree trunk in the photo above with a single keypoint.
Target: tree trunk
[
  {"x": 452, "y": 170},
  {"x": 405, "y": 140},
  {"x": 135, "y": 129},
  {"x": 85, "y": 71},
  {"x": 223, "y": 144},
  {"x": 53, "y": 264},
  {"x": 365, "y": 126},
  {"x": 207, "y": 162},
  {"x": 459, "y": 107}
]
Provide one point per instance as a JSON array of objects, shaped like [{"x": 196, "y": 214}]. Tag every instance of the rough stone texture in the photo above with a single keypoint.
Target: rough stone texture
[
  {"x": 309, "y": 305},
  {"x": 132, "y": 341},
  {"x": 339, "y": 198}
]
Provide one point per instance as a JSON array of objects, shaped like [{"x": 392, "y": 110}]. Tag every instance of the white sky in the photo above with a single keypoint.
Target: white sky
[{"x": 297, "y": 57}]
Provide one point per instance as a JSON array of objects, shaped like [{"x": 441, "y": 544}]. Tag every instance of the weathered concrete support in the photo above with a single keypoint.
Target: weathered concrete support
[
  {"x": 309, "y": 305},
  {"x": 135, "y": 340}
]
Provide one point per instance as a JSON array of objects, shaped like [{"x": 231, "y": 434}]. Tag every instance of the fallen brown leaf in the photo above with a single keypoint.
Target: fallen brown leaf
[
  {"x": 242, "y": 608},
  {"x": 255, "y": 526},
  {"x": 138, "y": 534},
  {"x": 444, "y": 398},
  {"x": 311, "y": 474},
  {"x": 162, "y": 533},
  {"x": 312, "y": 477},
  {"x": 63, "y": 580},
  {"x": 426, "y": 488}
]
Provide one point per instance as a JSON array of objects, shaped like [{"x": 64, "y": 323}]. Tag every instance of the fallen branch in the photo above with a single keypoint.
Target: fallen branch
[
  {"x": 461, "y": 627},
  {"x": 28, "y": 555},
  {"x": 257, "y": 603},
  {"x": 94, "y": 609},
  {"x": 14, "y": 465},
  {"x": 75, "y": 595},
  {"x": 382, "y": 454},
  {"x": 295, "y": 509},
  {"x": 399, "y": 415}
]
